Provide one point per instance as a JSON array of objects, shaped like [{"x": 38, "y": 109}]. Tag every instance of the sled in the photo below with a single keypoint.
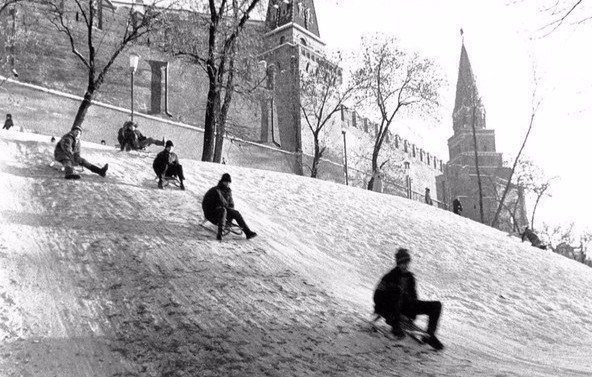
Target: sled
[
  {"x": 230, "y": 228},
  {"x": 59, "y": 167},
  {"x": 407, "y": 325},
  {"x": 169, "y": 181}
]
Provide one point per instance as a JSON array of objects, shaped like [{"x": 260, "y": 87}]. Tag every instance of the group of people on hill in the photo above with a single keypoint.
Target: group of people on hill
[{"x": 217, "y": 204}]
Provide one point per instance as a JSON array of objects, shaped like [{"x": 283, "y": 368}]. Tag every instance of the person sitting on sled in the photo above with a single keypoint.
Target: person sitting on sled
[
  {"x": 67, "y": 152},
  {"x": 218, "y": 208},
  {"x": 166, "y": 164},
  {"x": 396, "y": 295},
  {"x": 129, "y": 137}
]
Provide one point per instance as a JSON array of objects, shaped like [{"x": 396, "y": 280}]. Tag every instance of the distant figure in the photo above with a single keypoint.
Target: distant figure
[
  {"x": 67, "y": 152},
  {"x": 129, "y": 137},
  {"x": 218, "y": 208},
  {"x": 457, "y": 206},
  {"x": 8, "y": 122},
  {"x": 103, "y": 142},
  {"x": 396, "y": 295},
  {"x": 428, "y": 198},
  {"x": 167, "y": 164},
  {"x": 53, "y": 139},
  {"x": 533, "y": 238}
]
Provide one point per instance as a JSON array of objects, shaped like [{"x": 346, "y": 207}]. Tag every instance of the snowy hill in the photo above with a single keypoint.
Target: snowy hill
[{"x": 110, "y": 276}]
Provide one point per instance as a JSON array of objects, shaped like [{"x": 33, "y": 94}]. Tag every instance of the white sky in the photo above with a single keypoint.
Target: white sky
[{"x": 504, "y": 44}]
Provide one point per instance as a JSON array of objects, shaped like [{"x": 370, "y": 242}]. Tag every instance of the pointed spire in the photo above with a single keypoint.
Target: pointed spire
[
  {"x": 299, "y": 12},
  {"x": 467, "y": 95}
]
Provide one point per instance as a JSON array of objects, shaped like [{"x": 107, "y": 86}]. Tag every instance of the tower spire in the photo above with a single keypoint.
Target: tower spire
[{"x": 468, "y": 100}]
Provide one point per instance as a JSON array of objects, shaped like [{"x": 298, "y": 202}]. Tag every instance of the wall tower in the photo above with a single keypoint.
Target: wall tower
[
  {"x": 473, "y": 145},
  {"x": 292, "y": 34}
]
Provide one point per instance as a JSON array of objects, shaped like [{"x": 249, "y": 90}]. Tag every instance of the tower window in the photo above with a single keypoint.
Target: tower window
[
  {"x": 303, "y": 41},
  {"x": 282, "y": 40}
]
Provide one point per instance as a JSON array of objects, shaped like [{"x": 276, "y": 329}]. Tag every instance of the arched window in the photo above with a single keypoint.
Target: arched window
[
  {"x": 282, "y": 40},
  {"x": 303, "y": 41}
]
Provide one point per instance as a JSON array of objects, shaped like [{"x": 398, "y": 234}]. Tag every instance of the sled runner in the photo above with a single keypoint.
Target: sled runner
[
  {"x": 410, "y": 329},
  {"x": 166, "y": 181},
  {"x": 229, "y": 228},
  {"x": 59, "y": 167}
]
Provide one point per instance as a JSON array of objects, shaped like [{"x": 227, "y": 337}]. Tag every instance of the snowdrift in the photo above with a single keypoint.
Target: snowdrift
[{"x": 110, "y": 276}]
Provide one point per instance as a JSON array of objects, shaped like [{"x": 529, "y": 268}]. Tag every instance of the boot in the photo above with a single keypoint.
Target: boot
[
  {"x": 219, "y": 235},
  {"x": 182, "y": 186},
  {"x": 100, "y": 171},
  {"x": 250, "y": 234},
  {"x": 103, "y": 171},
  {"x": 160, "y": 183},
  {"x": 70, "y": 173}
]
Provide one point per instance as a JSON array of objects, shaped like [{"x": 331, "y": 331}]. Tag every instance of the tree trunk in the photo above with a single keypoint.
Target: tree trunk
[
  {"x": 314, "y": 171},
  {"x": 223, "y": 113},
  {"x": 481, "y": 215},
  {"x": 83, "y": 108},
  {"x": 374, "y": 168},
  {"x": 536, "y": 203},
  {"x": 210, "y": 121}
]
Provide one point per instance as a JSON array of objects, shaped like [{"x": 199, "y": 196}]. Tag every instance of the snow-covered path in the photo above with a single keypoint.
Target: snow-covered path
[{"x": 109, "y": 276}]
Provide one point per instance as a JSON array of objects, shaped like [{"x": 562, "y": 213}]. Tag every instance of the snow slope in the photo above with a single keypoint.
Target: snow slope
[{"x": 112, "y": 277}]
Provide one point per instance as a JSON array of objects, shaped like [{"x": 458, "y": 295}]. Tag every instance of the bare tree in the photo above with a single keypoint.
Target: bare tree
[
  {"x": 393, "y": 80},
  {"x": 217, "y": 53},
  {"x": 532, "y": 178},
  {"x": 322, "y": 97},
  {"x": 534, "y": 109},
  {"x": 87, "y": 42}
]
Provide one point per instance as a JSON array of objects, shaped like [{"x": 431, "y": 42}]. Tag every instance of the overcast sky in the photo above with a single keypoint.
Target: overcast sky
[{"x": 504, "y": 43}]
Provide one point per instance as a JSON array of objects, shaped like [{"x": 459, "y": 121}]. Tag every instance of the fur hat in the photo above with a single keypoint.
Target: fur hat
[
  {"x": 169, "y": 144},
  {"x": 225, "y": 178},
  {"x": 402, "y": 256}
]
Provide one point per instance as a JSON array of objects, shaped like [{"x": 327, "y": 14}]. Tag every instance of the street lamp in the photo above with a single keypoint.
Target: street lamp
[
  {"x": 344, "y": 131},
  {"x": 133, "y": 64},
  {"x": 407, "y": 165}
]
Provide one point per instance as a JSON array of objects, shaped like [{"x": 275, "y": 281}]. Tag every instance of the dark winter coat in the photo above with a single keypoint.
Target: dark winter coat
[
  {"x": 163, "y": 160},
  {"x": 532, "y": 237},
  {"x": 219, "y": 196},
  {"x": 395, "y": 291},
  {"x": 8, "y": 123},
  {"x": 456, "y": 206},
  {"x": 67, "y": 149}
]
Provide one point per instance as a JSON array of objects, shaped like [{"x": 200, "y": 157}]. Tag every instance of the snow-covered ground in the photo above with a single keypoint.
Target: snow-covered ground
[{"x": 112, "y": 277}]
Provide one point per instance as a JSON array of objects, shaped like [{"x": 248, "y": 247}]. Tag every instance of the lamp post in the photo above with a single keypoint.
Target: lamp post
[
  {"x": 344, "y": 131},
  {"x": 133, "y": 64},
  {"x": 407, "y": 178}
]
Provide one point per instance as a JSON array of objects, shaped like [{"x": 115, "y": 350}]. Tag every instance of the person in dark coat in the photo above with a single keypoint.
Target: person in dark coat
[
  {"x": 396, "y": 295},
  {"x": 218, "y": 208},
  {"x": 8, "y": 122},
  {"x": 428, "y": 198},
  {"x": 129, "y": 137},
  {"x": 67, "y": 152},
  {"x": 457, "y": 206},
  {"x": 533, "y": 238},
  {"x": 167, "y": 164}
]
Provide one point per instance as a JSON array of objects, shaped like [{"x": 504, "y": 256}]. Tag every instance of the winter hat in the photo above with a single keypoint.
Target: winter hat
[
  {"x": 225, "y": 178},
  {"x": 169, "y": 144},
  {"x": 76, "y": 128},
  {"x": 403, "y": 256}
]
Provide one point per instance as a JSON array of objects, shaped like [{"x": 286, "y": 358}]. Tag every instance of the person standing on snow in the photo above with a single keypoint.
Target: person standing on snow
[
  {"x": 8, "y": 122},
  {"x": 218, "y": 208},
  {"x": 396, "y": 295},
  {"x": 428, "y": 198},
  {"x": 457, "y": 206},
  {"x": 67, "y": 152},
  {"x": 167, "y": 163}
]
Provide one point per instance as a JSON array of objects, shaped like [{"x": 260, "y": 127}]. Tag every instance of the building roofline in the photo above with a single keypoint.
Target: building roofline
[{"x": 295, "y": 25}]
